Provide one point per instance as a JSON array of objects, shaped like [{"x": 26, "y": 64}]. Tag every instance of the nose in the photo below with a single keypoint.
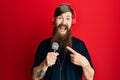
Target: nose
[{"x": 63, "y": 21}]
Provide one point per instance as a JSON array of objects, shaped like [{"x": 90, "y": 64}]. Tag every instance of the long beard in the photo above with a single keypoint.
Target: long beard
[{"x": 62, "y": 40}]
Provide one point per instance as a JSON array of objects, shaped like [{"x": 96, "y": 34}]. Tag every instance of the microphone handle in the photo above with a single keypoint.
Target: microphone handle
[{"x": 54, "y": 50}]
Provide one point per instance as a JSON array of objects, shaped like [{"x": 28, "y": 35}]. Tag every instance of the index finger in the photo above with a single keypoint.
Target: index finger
[
  {"x": 54, "y": 53},
  {"x": 71, "y": 50}
]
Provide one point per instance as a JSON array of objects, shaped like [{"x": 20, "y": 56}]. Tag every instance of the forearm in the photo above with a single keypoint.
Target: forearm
[
  {"x": 38, "y": 69},
  {"x": 88, "y": 72}
]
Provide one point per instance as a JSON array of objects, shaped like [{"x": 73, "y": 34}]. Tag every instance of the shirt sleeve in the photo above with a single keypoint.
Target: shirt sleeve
[
  {"x": 83, "y": 50},
  {"x": 41, "y": 52},
  {"x": 38, "y": 57}
]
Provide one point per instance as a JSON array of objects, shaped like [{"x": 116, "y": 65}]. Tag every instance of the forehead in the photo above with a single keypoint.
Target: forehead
[{"x": 66, "y": 14}]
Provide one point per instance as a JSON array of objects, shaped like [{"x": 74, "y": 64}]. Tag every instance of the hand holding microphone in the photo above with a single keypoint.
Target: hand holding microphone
[{"x": 52, "y": 56}]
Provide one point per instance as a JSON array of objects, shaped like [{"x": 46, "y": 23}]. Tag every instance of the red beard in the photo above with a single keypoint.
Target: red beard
[{"x": 63, "y": 41}]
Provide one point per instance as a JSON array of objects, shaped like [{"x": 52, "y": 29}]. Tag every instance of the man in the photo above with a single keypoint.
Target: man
[{"x": 71, "y": 59}]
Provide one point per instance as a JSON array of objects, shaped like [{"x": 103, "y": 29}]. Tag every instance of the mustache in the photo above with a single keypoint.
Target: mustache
[{"x": 63, "y": 25}]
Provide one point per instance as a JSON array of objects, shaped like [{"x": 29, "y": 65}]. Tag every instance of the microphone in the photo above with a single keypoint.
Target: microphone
[{"x": 55, "y": 46}]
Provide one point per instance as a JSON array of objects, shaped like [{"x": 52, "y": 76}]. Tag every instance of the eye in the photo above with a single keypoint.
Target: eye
[
  {"x": 59, "y": 17},
  {"x": 68, "y": 18}
]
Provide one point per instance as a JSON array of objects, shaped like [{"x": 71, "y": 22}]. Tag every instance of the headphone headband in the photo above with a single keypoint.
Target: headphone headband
[{"x": 62, "y": 8}]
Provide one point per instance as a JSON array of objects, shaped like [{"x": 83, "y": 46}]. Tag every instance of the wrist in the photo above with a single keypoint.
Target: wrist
[
  {"x": 85, "y": 66},
  {"x": 85, "y": 63},
  {"x": 45, "y": 66}
]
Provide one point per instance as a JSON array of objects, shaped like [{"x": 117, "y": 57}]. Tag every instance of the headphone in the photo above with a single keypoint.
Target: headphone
[{"x": 74, "y": 18}]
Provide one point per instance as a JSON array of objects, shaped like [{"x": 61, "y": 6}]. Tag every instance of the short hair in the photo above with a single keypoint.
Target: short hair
[{"x": 62, "y": 8}]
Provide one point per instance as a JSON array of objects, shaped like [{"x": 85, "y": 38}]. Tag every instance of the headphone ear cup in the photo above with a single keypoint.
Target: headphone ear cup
[
  {"x": 73, "y": 21},
  {"x": 52, "y": 20}
]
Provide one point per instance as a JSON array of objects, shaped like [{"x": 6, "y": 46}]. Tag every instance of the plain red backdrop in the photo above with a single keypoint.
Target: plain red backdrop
[{"x": 25, "y": 23}]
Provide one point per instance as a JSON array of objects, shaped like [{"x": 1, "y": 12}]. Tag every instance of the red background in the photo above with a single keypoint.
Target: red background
[{"x": 25, "y": 23}]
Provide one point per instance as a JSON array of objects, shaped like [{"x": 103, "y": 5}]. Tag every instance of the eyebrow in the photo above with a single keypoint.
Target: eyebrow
[{"x": 68, "y": 16}]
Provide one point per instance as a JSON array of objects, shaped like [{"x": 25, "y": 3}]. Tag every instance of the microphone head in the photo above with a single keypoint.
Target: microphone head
[{"x": 55, "y": 46}]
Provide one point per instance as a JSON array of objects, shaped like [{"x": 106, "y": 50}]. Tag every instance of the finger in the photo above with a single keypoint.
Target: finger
[
  {"x": 54, "y": 58},
  {"x": 72, "y": 55},
  {"x": 73, "y": 61},
  {"x": 51, "y": 62},
  {"x": 71, "y": 50},
  {"x": 54, "y": 54}
]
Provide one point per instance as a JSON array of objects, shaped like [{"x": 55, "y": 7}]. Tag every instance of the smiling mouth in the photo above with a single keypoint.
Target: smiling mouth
[{"x": 63, "y": 29}]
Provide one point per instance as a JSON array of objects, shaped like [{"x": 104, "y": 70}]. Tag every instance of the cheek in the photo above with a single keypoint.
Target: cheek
[
  {"x": 69, "y": 25},
  {"x": 58, "y": 23}
]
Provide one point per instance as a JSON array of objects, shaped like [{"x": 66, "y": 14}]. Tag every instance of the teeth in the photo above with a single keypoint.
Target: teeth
[{"x": 62, "y": 29}]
